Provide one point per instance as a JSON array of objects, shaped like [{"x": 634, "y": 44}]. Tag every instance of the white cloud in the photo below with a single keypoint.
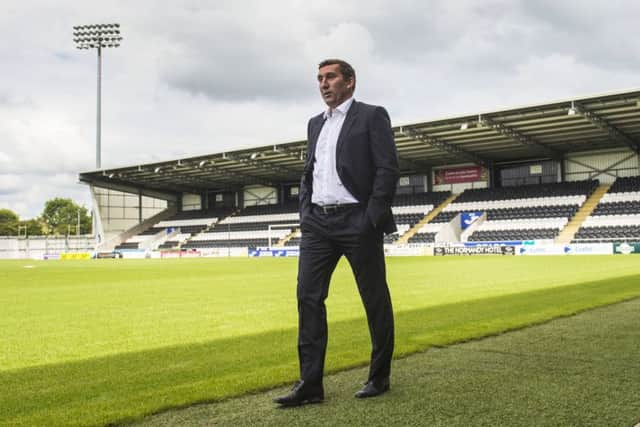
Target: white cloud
[
  {"x": 10, "y": 184},
  {"x": 196, "y": 77},
  {"x": 4, "y": 160}
]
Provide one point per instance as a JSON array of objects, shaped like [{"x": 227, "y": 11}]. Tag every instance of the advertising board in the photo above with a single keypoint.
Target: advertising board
[
  {"x": 626, "y": 248},
  {"x": 75, "y": 255},
  {"x": 458, "y": 175},
  {"x": 474, "y": 250},
  {"x": 572, "y": 249},
  {"x": 273, "y": 252}
]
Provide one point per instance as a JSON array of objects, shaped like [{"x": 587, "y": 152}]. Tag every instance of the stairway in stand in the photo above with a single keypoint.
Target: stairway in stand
[
  {"x": 282, "y": 242},
  {"x": 406, "y": 236},
  {"x": 570, "y": 230}
]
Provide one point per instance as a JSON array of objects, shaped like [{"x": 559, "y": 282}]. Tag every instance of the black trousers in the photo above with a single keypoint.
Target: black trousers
[{"x": 325, "y": 238}]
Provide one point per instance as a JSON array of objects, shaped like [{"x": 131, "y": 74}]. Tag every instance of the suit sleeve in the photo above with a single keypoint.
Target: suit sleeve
[{"x": 387, "y": 170}]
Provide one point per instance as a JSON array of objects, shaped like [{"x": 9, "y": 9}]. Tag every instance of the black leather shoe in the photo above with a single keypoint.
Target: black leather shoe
[
  {"x": 302, "y": 393},
  {"x": 373, "y": 388}
]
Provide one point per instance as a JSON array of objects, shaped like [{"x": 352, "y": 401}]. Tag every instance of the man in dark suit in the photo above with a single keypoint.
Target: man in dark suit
[{"x": 346, "y": 191}]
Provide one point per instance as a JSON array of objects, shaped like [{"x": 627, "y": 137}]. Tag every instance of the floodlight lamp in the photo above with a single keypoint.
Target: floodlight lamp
[
  {"x": 111, "y": 175},
  {"x": 202, "y": 163},
  {"x": 157, "y": 169},
  {"x": 464, "y": 126},
  {"x": 253, "y": 156}
]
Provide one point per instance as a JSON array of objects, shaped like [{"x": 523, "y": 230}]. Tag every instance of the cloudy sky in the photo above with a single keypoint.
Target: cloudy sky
[{"x": 196, "y": 77}]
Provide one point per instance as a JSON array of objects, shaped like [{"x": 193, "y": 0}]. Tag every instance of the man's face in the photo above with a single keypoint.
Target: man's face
[{"x": 334, "y": 89}]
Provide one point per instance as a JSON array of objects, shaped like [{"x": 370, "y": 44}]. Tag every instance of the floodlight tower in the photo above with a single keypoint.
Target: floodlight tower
[{"x": 97, "y": 36}]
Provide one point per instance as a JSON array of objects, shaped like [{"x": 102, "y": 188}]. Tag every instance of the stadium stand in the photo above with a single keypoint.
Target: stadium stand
[
  {"x": 249, "y": 228},
  {"x": 295, "y": 240},
  {"x": 409, "y": 209},
  {"x": 519, "y": 229},
  {"x": 530, "y": 212},
  {"x": 191, "y": 225},
  {"x": 162, "y": 235},
  {"x": 175, "y": 241},
  {"x": 426, "y": 233},
  {"x": 509, "y": 156},
  {"x": 616, "y": 217}
]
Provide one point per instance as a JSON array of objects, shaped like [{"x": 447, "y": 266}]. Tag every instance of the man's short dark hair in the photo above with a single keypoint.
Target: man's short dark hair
[{"x": 346, "y": 69}]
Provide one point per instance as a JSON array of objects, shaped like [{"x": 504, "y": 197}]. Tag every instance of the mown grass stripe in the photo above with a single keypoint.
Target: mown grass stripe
[
  {"x": 129, "y": 385},
  {"x": 577, "y": 371}
]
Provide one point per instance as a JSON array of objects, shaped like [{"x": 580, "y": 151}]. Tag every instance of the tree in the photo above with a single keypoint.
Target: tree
[
  {"x": 33, "y": 226},
  {"x": 9, "y": 221},
  {"x": 61, "y": 217}
]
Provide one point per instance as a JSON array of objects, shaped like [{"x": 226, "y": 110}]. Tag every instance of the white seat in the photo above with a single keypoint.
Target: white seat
[
  {"x": 293, "y": 217},
  {"x": 611, "y": 220},
  {"x": 185, "y": 222}
]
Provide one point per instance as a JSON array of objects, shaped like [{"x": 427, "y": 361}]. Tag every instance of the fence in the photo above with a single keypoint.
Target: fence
[{"x": 42, "y": 246}]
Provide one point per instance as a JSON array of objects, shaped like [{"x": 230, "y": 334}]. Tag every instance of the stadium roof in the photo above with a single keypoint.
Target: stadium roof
[{"x": 544, "y": 131}]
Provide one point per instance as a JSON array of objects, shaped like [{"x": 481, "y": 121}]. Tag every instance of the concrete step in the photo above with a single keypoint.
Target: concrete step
[
  {"x": 412, "y": 231},
  {"x": 570, "y": 230}
]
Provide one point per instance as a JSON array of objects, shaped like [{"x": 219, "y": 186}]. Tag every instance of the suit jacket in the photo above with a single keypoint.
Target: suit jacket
[{"x": 366, "y": 162}]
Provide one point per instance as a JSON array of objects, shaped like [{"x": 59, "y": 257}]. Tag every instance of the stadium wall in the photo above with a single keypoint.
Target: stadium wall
[
  {"x": 259, "y": 195},
  {"x": 119, "y": 211},
  {"x": 41, "y": 247},
  {"x": 191, "y": 202},
  {"x": 411, "y": 184},
  {"x": 603, "y": 165}
]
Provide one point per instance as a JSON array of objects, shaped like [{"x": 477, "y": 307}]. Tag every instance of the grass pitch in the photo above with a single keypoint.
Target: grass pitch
[
  {"x": 93, "y": 342},
  {"x": 581, "y": 370}
]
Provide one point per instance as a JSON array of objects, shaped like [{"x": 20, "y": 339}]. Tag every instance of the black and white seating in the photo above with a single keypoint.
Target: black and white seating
[
  {"x": 255, "y": 226},
  {"x": 617, "y": 215},
  {"x": 171, "y": 232},
  {"x": 531, "y": 212},
  {"x": 410, "y": 209}
]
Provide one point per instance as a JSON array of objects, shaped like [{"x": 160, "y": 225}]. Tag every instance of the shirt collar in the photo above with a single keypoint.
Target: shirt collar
[{"x": 342, "y": 108}]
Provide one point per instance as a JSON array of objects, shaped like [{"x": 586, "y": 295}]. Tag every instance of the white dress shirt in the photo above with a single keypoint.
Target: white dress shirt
[{"x": 327, "y": 187}]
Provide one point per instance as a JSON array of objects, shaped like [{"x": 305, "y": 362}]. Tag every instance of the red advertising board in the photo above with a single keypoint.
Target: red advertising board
[{"x": 456, "y": 175}]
